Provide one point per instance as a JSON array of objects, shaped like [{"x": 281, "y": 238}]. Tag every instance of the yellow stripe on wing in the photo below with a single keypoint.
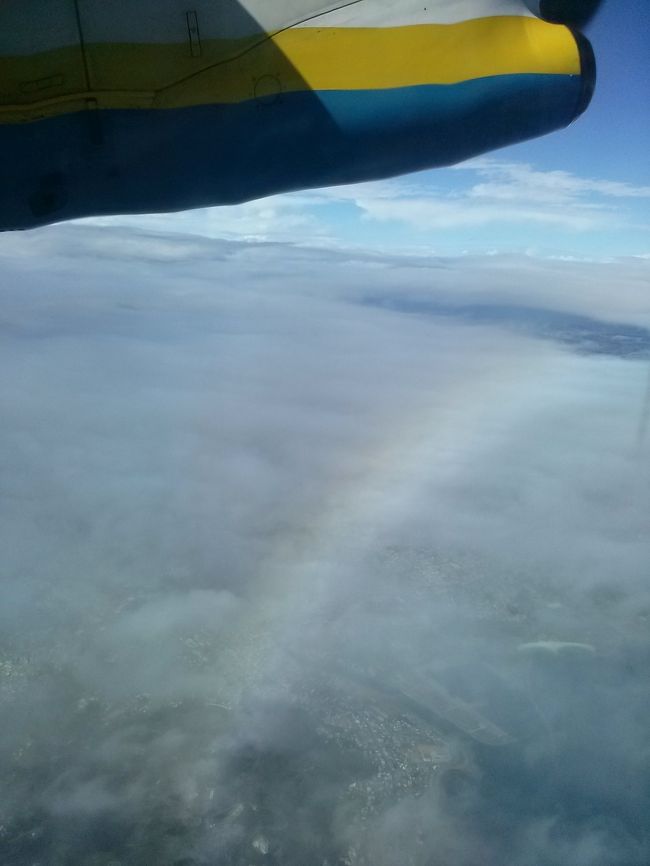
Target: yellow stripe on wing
[
  {"x": 345, "y": 58},
  {"x": 428, "y": 54}
]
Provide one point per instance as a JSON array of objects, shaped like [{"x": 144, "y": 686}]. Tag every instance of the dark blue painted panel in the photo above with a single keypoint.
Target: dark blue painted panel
[{"x": 130, "y": 161}]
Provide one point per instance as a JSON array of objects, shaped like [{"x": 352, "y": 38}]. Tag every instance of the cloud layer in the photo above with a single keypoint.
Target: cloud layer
[{"x": 304, "y": 563}]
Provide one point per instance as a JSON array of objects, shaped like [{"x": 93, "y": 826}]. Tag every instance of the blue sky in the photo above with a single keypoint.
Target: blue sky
[{"x": 583, "y": 192}]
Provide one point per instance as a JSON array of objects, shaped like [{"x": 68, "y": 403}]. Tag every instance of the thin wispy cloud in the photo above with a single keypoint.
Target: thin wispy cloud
[
  {"x": 515, "y": 180},
  {"x": 479, "y": 205},
  {"x": 490, "y": 192}
]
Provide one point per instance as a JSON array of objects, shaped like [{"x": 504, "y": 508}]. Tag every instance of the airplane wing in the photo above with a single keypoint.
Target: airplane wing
[{"x": 132, "y": 106}]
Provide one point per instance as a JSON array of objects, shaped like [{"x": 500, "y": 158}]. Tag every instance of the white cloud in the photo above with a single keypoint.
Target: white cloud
[
  {"x": 249, "y": 504},
  {"x": 505, "y": 193},
  {"x": 281, "y": 218},
  {"x": 520, "y": 180},
  {"x": 614, "y": 290},
  {"x": 479, "y": 194}
]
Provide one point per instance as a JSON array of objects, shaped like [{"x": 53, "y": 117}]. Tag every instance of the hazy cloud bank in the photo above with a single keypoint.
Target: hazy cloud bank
[{"x": 301, "y": 566}]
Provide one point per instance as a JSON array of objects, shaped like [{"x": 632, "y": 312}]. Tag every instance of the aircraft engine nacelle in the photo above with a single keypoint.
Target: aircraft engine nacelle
[{"x": 131, "y": 106}]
